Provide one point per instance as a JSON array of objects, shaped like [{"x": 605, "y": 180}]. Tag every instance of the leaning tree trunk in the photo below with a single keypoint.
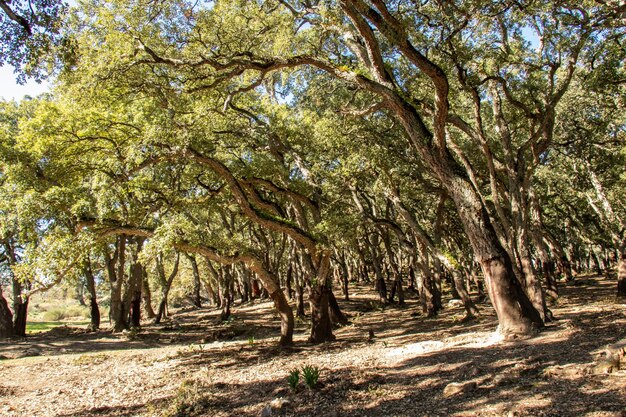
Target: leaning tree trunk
[
  {"x": 6, "y": 318},
  {"x": 270, "y": 283},
  {"x": 336, "y": 315},
  {"x": 516, "y": 314},
  {"x": 166, "y": 285}
]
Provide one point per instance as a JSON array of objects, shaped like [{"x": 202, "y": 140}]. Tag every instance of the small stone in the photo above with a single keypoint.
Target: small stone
[
  {"x": 2, "y": 357},
  {"x": 279, "y": 403},
  {"x": 267, "y": 411},
  {"x": 455, "y": 303},
  {"x": 455, "y": 388}
]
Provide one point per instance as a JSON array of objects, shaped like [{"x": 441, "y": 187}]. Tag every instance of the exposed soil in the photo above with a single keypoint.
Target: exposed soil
[{"x": 194, "y": 366}]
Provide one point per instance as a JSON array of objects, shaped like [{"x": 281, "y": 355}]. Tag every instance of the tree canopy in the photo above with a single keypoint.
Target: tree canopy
[{"x": 314, "y": 143}]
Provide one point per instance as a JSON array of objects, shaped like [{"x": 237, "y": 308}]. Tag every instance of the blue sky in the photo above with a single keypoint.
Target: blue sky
[{"x": 10, "y": 90}]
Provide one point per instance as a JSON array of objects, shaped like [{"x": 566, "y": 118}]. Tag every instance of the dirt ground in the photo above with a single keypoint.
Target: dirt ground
[{"x": 192, "y": 366}]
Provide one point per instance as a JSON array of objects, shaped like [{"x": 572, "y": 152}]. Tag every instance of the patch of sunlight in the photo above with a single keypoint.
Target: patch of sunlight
[{"x": 472, "y": 340}]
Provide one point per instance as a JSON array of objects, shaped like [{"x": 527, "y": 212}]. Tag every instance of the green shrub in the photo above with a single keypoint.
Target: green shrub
[
  {"x": 55, "y": 314},
  {"x": 61, "y": 313},
  {"x": 310, "y": 374},
  {"x": 293, "y": 378}
]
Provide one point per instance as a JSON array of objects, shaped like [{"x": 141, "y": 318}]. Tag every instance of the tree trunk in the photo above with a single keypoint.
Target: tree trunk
[
  {"x": 135, "y": 300},
  {"x": 371, "y": 245},
  {"x": 321, "y": 325},
  {"x": 271, "y": 284},
  {"x": 115, "y": 269},
  {"x": 286, "y": 317},
  {"x": 6, "y": 318},
  {"x": 132, "y": 298},
  {"x": 20, "y": 316},
  {"x": 146, "y": 294},
  {"x": 470, "y": 308},
  {"x": 93, "y": 296},
  {"x": 621, "y": 274},
  {"x": 166, "y": 284},
  {"x": 195, "y": 295},
  {"x": 516, "y": 314},
  {"x": 20, "y": 309},
  {"x": 336, "y": 315},
  {"x": 289, "y": 280}
]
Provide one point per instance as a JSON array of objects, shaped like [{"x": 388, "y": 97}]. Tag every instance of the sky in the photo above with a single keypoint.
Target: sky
[{"x": 10, "y": 90}]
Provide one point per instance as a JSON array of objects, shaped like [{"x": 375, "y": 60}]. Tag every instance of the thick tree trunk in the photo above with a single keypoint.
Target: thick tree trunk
[
  {"x": 321, "y": 325},
  {"x": 20, "y": 309},
  {"x": 20, "y": 315},
  {"x": 516, "y": 314},
  {"x": 6, "y": 318}
]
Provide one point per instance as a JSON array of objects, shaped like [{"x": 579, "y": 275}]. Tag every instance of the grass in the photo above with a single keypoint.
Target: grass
[{"x": 44, "y": 326}]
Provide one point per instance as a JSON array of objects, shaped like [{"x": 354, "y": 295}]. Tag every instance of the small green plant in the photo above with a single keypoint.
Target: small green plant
[
  {"x": 293, "y": 378},
  {"x": 310, "y": 374},
  {"x": 251, "y": 340},
  {"x": 190, "y": 399}
]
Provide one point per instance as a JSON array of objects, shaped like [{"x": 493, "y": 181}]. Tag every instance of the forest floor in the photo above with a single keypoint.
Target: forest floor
[{"x": 194, "y": 366}]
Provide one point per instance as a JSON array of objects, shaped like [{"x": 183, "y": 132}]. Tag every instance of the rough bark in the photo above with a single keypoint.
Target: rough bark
[
  {"x": 6, "y": 318},
  {"x": 321, "y": 325},
  {"x": 20, "y": 309}
]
